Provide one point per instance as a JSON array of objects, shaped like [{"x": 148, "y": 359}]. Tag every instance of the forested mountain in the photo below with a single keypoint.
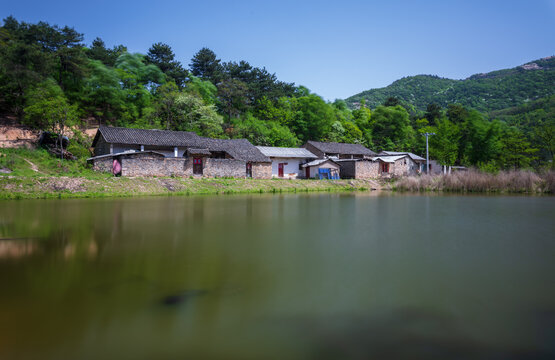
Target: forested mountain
[
  {"x": 484, "y": 92},
  {"x": 51, "y": 80}
]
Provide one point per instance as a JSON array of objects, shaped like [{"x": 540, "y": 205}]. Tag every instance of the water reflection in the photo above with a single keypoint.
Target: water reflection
[{"x": 299, "y": 276}]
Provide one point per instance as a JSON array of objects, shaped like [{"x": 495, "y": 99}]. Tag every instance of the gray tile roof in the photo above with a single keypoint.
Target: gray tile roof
[
  {"x": 341, "y": 148},
  {"x": 283, "y": 152},
  {"x": 119, "y": 135},
  {"x": 240, "y": 149},
  {"x": 396, "y": 153}
]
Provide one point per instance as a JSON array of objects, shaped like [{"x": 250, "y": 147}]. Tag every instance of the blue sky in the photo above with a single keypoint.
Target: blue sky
[{"x": 335, "y": 48}]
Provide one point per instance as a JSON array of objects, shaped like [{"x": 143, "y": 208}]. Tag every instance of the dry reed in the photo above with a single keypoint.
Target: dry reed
[{"x": 520, "y": 181}]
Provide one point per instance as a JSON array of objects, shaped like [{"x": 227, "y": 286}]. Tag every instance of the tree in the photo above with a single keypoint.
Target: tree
[
  {"x": 162, "y": 55},
  {"x": 232, "y": 97},
  {"x": 48, "y": 109},
  {"x": 516, "y": 151},
  {"x": 433, "y": 113},
  {"x": 392, "y": 101},
  {"x": 194, "y": 115},
  {"x": 166, "y": 104},
  {"x": 203, "y": 88},
  {"x": 391, "y": 128},
  {"x": 108, "y": 57},
  {"x": 313, "y": 118},
  {"x": 103, "y": 95},
  {"x": 444, "y": 145},
  {"x": 456, "y": 113},
  {"x": 206, "y": 66}
]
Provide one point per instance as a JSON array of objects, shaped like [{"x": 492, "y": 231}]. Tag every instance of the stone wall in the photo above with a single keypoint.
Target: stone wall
[
  {"x": 362, "y": 169},
  {"x": 224, "y": 168},
  {"x": 367, "y": 169},
  {"x": 103, "y": 164},
  {"x": 261, "y": 170},
  {"x": 403, "y": 167},
  {"x": 149, "y": 164}
]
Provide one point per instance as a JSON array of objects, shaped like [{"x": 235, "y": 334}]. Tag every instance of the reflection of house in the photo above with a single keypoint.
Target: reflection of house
[
  {"x": 338, "y": 150},
  {"x": 317, "y": 169},
  {"x": 287, "y": 162},
  {"x": 139, "y": 152}
]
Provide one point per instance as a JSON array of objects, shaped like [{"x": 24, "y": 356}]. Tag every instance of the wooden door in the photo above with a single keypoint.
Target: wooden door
[
  {"x": 249, "y": 170},
  {"x": 307, "y": 172},
  {"x": 280, "y": 169},
  {"x": 197, "y": 166}
]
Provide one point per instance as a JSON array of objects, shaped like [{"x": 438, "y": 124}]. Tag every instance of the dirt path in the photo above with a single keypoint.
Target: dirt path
[{"x": 34, "y": 167}]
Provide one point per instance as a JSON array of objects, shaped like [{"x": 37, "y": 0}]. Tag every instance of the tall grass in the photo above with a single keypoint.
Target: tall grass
[{"x": 476, "y": 181}]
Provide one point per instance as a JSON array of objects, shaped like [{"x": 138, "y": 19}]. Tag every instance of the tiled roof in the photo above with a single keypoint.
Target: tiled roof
[
  {"x": 119, "y": 135},
  {"x": 389, "y": 158},
  {"x": 396, "y": 153},
  {"x": 240, "y": 149},
  {"x": 282, "y": 152},
  {"x": 341, "y": 148}
]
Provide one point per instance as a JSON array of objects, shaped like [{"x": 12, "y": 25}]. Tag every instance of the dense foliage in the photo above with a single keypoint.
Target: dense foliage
[
  {"x": 50, "y": 79},
  {"x": 484, "y": 92}
]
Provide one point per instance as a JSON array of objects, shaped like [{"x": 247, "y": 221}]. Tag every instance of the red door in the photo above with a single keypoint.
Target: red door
[
  {"x": 280, "y": 169},
  {"x": 197, "y": 166},
  {"x": 307, "y": 172}
]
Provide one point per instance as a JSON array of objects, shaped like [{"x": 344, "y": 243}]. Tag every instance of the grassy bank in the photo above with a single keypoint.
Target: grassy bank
[
  {"x": 476, "y": 181},
  {"x": 43, "y": 187},
  {"x": 35, "y": 174}
]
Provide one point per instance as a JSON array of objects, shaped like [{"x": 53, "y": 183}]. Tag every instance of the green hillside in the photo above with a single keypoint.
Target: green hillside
[{"x": 484, "y": 92}]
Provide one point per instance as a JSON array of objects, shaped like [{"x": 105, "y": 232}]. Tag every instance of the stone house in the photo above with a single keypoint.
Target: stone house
[
  {"x": 141, "y": 152},
  {"x": 417, "y": 163},
  {"x": 287, "y": 162},
  {"x": 338, "y": 150},
  {"x": 396, "y": 165}
]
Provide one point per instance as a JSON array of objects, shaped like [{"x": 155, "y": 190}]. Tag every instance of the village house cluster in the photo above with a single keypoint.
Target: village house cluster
[{"x": 140, "y": 152}]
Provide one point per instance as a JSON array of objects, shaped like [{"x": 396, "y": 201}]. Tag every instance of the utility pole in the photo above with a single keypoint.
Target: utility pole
[{"x": 427, "y": 154}]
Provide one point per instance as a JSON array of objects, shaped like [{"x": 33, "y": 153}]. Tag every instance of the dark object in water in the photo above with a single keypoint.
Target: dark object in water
[{"x": 182, "y": 297}]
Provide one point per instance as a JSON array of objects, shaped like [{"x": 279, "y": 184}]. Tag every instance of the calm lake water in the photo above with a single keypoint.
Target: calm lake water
[{"x": 324, "y": 276}]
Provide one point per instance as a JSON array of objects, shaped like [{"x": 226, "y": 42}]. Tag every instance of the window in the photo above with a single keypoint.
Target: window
[{"x": 385, "y": 167}]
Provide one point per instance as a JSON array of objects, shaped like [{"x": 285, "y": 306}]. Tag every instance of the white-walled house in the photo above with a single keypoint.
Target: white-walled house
[{"x": 287, "y": 162}]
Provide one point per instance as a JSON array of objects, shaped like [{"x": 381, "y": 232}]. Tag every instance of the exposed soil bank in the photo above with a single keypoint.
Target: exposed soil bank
[{"x": 39, "y": 187}]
